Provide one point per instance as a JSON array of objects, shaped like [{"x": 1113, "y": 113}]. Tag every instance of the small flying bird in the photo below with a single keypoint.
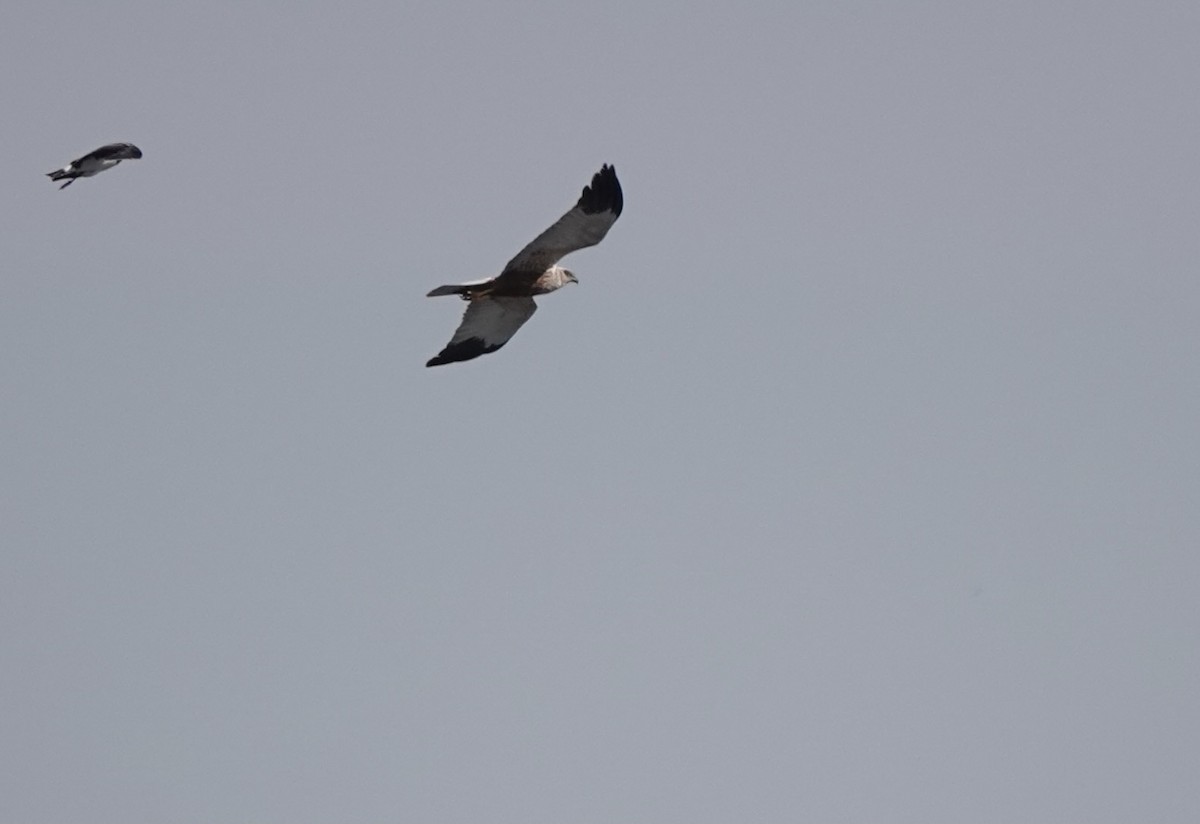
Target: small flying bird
[
  {"x": 95, "y": 162},
  {"x": 500, "y": 305}
]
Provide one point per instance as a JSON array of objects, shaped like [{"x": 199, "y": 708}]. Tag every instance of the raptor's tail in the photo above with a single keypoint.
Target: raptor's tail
[{"x": 448, "y": 289}]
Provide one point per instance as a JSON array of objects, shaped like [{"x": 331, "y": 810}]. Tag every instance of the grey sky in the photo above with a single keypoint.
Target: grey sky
[{"x": 856, "y": 481}]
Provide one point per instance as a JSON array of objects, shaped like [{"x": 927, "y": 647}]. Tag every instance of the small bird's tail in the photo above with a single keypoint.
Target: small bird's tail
[{"x": 57, "y": 174}]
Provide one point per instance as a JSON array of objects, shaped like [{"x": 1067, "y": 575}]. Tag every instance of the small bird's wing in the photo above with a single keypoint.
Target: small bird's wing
[
  {"x": 112, "y": 151},
  {"x": 487, "y": 325},
  {"x": 584, "y": 225}
]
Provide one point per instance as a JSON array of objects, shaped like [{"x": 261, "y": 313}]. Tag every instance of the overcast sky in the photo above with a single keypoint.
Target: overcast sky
[{"x": 855, "y": 482}]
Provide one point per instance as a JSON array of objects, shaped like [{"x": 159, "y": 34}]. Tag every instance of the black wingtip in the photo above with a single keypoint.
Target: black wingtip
[
  {"x": 462, "y": 351},
  {"x": 604, "y": 193}
]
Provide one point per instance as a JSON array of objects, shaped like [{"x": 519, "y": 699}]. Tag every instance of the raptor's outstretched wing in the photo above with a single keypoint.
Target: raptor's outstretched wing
[
  {"x": 584, "y": 225},
  {"x": 487, "y": 325}
]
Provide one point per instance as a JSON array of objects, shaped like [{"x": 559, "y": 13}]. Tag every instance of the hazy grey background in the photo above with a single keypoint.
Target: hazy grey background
[{"x": 856, "y": 481}]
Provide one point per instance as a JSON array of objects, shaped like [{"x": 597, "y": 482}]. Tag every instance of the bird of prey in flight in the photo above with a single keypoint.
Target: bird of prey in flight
[
  {"x": 95, "y": 162},
  {"x": 497, "y": 307}
]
